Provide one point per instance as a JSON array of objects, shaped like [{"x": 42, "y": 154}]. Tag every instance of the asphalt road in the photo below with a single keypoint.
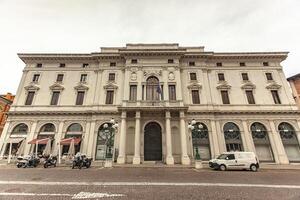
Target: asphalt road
[{"x": 147, "y": 183}]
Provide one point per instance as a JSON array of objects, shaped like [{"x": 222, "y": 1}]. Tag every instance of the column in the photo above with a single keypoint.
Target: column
[
  {"x": 185, "y": 160},
  {"x": 58, "y": 136},
  {"x": 137, "y": 139},
  {"x": 4, "y": 136},
  {"x": 169, "y": 159},
  {"x": 248, "y": 138},
  {"x": 282, "y": 157},
  {"x": 30, "y": 137},
  {"x": 91, "y": 139},
  {"x": 121, "y": 157},
  {"x": 298, "y": 132},
  {"x": 213, "y": 142},
  {"x": 85, "y": 138},
  {"x": 221, "y": 138}
]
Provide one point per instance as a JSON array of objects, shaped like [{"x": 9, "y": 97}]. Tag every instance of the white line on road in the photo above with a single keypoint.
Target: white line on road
[{"x": 148, "y": 184}]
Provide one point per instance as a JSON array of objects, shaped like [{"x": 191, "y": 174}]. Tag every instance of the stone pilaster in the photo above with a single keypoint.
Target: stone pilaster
[
  {"x": 30, "y": 137},
  {"x": 169, "y": 158},
  {"x": 214, "y": 144},
  {"x": 137, "y": 139},
  {"x": 4, "y": 137},
  {"x": 185, "y": 160},
  {"x": 248, "y": 138},
  {"x": 122, "y": 146}
]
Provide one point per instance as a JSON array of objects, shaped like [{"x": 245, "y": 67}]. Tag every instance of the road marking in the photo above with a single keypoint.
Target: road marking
[
  {"x": 148, "y": 184},
  {"x": 81, "y": 195}
]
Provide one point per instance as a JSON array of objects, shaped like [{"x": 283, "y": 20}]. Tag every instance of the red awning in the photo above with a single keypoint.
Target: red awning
[
  {"x": 68, "y": 141},
  {"x": 39, "y": 141}
]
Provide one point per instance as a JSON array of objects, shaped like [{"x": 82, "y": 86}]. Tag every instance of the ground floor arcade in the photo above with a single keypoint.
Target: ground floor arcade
[{"x": 168, "y": 136}]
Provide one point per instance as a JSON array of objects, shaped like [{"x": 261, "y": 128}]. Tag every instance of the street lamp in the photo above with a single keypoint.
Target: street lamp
[{"x": 108, "y": 133}]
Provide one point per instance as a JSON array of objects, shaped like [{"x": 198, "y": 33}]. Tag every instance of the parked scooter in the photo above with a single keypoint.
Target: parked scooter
[
  {"x": 50, "y": 161},
  {"x": 80, "y": 160},
  {"x": 28, "y": 161}
]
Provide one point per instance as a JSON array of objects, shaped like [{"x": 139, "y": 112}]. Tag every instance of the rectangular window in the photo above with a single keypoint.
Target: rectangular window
[
  {"x": 172, "y": 92},
  {"x": 265, "y": 64},
  {"x": 134, "y": 61},
  {"x": 55, "y": 97},
  {"x": 112, "y": 64},
  {"x": 191, "y": 63},
  {"x": 62, "y": 64},
  {"x": 170, "y": 61},
  {"x": 275, "y": 97},
  {"x": 219, "y": 64},
  {"x": 193, "y": 76},
  {"x": 245, "y": 77},
  {"x": 195, "y": 97},
  {"x": 221, "y": 77},
  {"x": 242, "y": 64},
  {"x": 29, "y": 98},
  {"x": 111, "y": 76},
  {"x": 59, "y": 77},
  {"x": 35, "y": 78},
  {"x": 250, "y": 96},
  {"x": 109, "y": 97},
  {"x": 83, "y": 77},
  {"x": 133, "y": 93},
  {"x": 84, "y": 65},
  {"x": 80, "y": 97},
  {"x": 225, "y": 97},
  {"x": 269, "y": 76},
  {"x": 39, "y": 65}
]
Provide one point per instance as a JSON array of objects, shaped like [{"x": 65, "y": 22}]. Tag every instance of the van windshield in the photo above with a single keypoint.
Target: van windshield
[{"x": 222, "y": 156}]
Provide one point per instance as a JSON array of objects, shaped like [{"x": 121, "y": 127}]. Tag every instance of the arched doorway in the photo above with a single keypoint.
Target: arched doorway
[
  {"x": 18, "y": 134},
  {"x": 289, "y": 141},
  {"x": 232, "y": 137},
  {"x": 75, "y": 131},
  {"x": 105, "y": 142},
  {"x": 200, "y": 139},
  {"x": 152, "y": 142},
  {"x": 261, "y": 142}
]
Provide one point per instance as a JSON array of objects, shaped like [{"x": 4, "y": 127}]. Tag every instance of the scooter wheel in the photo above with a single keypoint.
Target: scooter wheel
[{"x": 45, "y": 166}]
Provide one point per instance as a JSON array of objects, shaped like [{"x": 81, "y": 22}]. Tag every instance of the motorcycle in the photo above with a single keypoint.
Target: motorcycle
[
  {"x": 80, "y": 160},
  {"x": 50, "y": 161},
  {"x": 28, "y": 161}
]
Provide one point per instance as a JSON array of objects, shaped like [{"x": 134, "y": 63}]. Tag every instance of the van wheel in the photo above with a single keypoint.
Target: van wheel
[
  {"x": 253, "y": 168},
  {"x": 222, "y": 167}
]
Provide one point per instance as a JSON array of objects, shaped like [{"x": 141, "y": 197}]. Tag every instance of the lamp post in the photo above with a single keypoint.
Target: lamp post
[
  {"x": 195, "y": 129},
  {"x": 109, "y": 131}
]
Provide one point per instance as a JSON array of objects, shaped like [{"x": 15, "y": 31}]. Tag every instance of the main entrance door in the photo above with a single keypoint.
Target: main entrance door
[{"x": 152, "y": 142}]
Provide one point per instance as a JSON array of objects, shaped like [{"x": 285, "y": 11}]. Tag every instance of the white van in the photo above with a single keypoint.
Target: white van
[{"x": 235, "y": 160}]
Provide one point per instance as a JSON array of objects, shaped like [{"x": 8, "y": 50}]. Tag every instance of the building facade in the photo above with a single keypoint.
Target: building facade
[
  {"x": 295, "y": 85},
  {"x": 5, "y": 102},
  {"x": 239, "y": 102}
]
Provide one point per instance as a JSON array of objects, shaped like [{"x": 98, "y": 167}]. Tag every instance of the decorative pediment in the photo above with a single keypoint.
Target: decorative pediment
[
  {"x": 110, "y": 86},
  {"x": 248, "y": 85},
  {"x": 56, "y": 86},
  {"x": 223, "y": 86},
  {"x": 148, "y": 73},
  {"x": 32, "y": 88},
  {"x": 195, "y": 86},
  {"x": 81, "y": 87},
  {"x": 273, "y": 86}
]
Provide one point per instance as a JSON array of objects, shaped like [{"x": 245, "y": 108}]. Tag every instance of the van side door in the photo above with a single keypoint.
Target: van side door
[{"x": 231, "y": 161}]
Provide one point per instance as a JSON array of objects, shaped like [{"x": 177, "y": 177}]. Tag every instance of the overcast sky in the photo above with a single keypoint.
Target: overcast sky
[{"x": 83, "y": 26}]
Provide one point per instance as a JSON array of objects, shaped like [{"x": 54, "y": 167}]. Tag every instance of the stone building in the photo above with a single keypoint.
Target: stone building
[
  {"x": 239, "y": 102},
  {"x": 295, "y": 85},
  {"x": 5, "y": 101}
]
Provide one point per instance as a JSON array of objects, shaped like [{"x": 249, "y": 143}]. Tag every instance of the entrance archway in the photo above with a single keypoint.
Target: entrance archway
[{"x": 152, "y": 142}]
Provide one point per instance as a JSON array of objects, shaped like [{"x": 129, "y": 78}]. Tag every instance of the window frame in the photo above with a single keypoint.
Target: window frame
[
  {"x": 219, "y": 64},
  {"x": 79, "y": 101},
  {"x": 191, "y": 74},
  {"x": 275, "y": 96},
  {"x": 38, "y": 79},
  {"x": 62, "y": 65},
  {"x": 245, "y": 76},
  {"x": 52, "y": 100},
  {"x": 195, "y": 100},
  {"x": 221, "y": 74},
  {"x": 223, "y": 97},
  {"x": 250, "y": 99},
  {"x": 172, "y": 92},
  {"x": 107, "y": 99},
  {"x": 132, "y": 95},
  {"x": 27, "y": 97},
  {"x": 58, "y": 75},
  {"x": 112, "y": 74},
  {"x": 81, "y": 77},
  {"x": 269, "y": 76}
]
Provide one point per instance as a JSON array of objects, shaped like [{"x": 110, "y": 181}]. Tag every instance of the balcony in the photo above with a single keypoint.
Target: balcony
[{"x": 147, "y": 104}]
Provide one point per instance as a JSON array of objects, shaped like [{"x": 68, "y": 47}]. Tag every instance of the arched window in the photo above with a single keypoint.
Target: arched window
[
  {"x": 200, "y": 140},
  {"x": 105, "y": 141},
  {"x": 153, "y": 89},
  {"x": 48, "y": 128},
  {"x": 20, "y": 129},
  {"x": 261, "y": 142},
  {"x": 74, "y": 128},
  {"x": 232, "y": 137},
  {"x": 289, "y": 141}
]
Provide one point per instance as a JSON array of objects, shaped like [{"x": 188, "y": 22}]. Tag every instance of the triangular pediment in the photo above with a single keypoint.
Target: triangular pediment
[
  {"x": 223, "y": 86},
  {"x": 110, "y": 86},
  {"x": 81, "y": 87},
  {"x": 56, "y": 86},
  {"x": 273, "y": 86},
  {"x": 248, "y": 85},
  {"x": 32, "y": 87},
  {"x": 195, "y": 85}
]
